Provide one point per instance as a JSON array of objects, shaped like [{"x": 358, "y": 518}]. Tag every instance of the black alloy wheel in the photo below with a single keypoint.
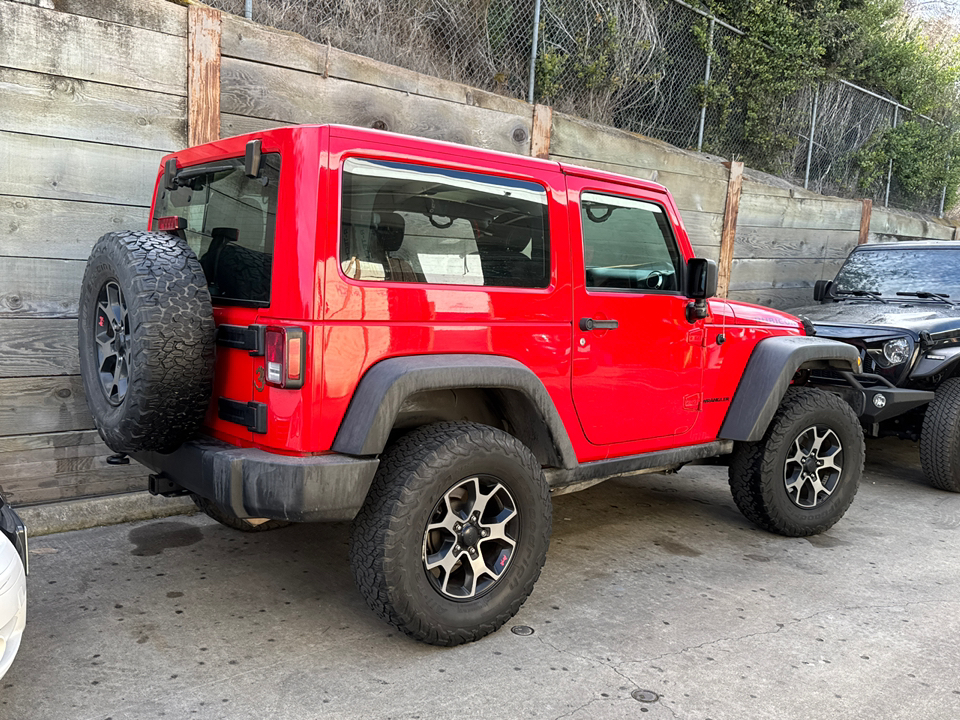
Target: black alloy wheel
[{"x": 112, "y": 334}]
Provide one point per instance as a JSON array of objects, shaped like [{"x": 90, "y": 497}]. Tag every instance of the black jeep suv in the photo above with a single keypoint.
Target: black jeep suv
[{"x": 899, "y": 304}]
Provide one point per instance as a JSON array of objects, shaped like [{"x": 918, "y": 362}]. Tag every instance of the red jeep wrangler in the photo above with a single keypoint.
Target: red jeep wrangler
[{"x": 330, "y": 323}]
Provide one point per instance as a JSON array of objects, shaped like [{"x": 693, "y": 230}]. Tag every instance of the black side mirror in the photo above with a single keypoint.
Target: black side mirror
[
  {"x": 701, "y": 278},
  {"x": 822, "y": 289},
  {"x": 701, "y": 284}
]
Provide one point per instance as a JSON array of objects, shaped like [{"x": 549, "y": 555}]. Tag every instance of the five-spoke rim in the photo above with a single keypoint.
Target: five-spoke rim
[
  {"x": 813, "y": 469},
  {"x": 112, "y": 333},
  {"x": 470, "y": 537}
]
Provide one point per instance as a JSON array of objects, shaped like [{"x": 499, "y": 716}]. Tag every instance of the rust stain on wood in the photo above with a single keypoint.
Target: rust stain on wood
[
  {"x": 540, "y": 133},
  {"x": 865, "y": 221},
  {"x": 729, "y": 232},
  {"x": 203, "y": 74}
]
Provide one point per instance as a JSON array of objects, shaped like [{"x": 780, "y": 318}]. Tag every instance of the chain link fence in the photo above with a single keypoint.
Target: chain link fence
[{"x": 660, "y": 68}]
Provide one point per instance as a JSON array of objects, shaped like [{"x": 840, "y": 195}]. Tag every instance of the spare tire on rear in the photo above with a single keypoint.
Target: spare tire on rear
[{"x": 146, "y": 337}]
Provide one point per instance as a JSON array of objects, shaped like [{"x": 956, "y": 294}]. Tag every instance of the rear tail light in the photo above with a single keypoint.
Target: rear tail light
[
  {"x": 171, "y": 223},
  {"x": 285, "y": 355}
]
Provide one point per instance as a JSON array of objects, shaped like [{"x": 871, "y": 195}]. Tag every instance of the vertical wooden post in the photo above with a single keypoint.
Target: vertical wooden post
[
  {"x": 540, "y": 132},
  {"x": 203, "y": 74},
  {"x": 865, "y": 221},
  {"x": 729, "y": 232}
]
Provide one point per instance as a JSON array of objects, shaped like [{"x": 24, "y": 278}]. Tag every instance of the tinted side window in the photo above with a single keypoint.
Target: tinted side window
[
  {"x": 411, "y": 223},
  {"x": 231, "y": 222},
  {"x": 628, "y": 244}
]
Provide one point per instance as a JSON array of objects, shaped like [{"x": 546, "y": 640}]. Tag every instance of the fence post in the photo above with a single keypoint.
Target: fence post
[
  {"x": 886, "y": 196},
  {"x": 866, "y": 210},
  {"x": 203, "y": 74},
  {"x": 943, "y": 193},
  {"x": 706, "y": 84},
  {"x": 729, "y": 233},
  {"x": 540, "y": 132},
  {"x": 813, "y": 131},
  {"x": 248, "y": 9},
  {"x": 533, "y": 50}
]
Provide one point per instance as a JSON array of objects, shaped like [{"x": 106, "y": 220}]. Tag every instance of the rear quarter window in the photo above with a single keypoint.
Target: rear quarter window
[{"x": 418, "y": 224}]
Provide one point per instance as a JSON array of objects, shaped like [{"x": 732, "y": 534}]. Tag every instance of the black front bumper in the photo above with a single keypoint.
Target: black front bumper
[
  {"x": 876, "y": 399},
  {"x": 254, "y": 483}
]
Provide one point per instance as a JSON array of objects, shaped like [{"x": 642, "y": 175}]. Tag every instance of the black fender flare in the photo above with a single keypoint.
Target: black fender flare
[
  {"x": 772, "y": 365},
  {"x": 376, "y": 402}
]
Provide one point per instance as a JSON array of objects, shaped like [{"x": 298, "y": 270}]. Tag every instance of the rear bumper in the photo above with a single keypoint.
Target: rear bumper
[{"x": 254, "y": 483}]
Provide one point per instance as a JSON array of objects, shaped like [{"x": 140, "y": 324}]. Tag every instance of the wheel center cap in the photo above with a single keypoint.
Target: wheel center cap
[
  {"x": 469, "y": 536},
  {"x": 810, "y": 465}
]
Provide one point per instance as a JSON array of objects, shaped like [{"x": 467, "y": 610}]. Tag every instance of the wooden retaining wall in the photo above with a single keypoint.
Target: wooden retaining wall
[{"x": 94, "y": 92}]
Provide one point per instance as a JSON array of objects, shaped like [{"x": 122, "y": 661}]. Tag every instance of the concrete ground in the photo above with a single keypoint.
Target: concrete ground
[{"x": 655, "y": 584}]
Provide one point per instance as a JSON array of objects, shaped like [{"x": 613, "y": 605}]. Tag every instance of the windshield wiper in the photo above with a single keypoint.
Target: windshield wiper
[
  {"x": 941, "y": 297},
  {"x": 872, "y": 294}
]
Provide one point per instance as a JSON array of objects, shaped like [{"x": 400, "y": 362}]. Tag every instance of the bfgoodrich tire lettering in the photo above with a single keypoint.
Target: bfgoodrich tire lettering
[
  {"x": 388, "y": 549},
  {"x": 168, "y": 354},
  {"x": 811, "y": 433}
]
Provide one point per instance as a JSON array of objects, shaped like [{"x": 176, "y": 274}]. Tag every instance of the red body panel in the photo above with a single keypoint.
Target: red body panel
[{"x": 658, "y": 381}]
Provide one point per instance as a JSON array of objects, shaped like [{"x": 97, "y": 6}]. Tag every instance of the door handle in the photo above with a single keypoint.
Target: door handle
[{"x": 587, "y": 324}]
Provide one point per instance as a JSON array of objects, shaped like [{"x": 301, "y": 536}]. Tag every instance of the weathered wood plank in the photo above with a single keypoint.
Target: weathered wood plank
[
  {"x": 75, "y": 485},
  {"x": 770, "y": 211},
  {"x": 90, "y": 49},
  {"x": 203, "y": 75},
  {"x": 157, "y": 15},
  {"x": 711, "y": 252},
  {"x": 291, "y": 96},
  {"x": 38, "y": 405},
  {"x": 703, "y": 228},
  {"x": 40, "y": 465},
  {"x": 56, "y": 106},
  {"x": 582, "y": 140},
  {"x": 780, "y": 298},
  {"x": 248, "y": 41},
  {"x": 39, "y": 288},
  {"x": 41, "y": 228},
  {"x": 50, "y": 441},
  {"x": 757, "y": 242},
  {"x": 884, "y": 221},
  {"x": 727, "y": 236},
  {"x": 540, "y": 132},
  {"x": 779, "y": 272},
  {"x": 231, "y": 125},
  {"x": 30, "y": 349},
  {"x": 32, "y": 166}
]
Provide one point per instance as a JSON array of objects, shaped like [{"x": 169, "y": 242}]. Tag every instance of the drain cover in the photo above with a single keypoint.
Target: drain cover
[
  {"x": 645, "y": 695},
  {"x": 521, "y": 630}
]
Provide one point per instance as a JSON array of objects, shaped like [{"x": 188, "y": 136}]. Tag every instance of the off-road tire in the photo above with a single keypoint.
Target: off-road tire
[
  {"x": 225, "y": 517},
  {"x": 388, "y": 535},
  {"x": 757, "y": 468},
  {"x": 940, "y": 437},
  {"x": 170, "y": 354}
]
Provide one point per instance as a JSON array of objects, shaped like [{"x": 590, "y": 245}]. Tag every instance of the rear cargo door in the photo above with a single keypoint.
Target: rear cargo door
[{"x": 230, "y": 225}]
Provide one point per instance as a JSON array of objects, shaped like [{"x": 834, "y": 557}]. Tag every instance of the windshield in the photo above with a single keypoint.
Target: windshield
[
  {"x": 231, "y": 220},
  {"x": 889, "y": 271}
]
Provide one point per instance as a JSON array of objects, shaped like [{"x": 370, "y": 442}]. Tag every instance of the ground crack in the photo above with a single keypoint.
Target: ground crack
[{"x": 781, "y": 626}]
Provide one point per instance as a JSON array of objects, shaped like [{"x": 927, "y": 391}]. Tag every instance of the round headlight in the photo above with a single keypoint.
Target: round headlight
[{"x": 896, "y": 351}]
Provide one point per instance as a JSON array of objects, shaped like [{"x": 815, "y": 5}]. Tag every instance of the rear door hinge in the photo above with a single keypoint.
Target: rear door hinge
[
  {"x": 252, "y": 415},
  {"x": 242, "y": 338}
]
